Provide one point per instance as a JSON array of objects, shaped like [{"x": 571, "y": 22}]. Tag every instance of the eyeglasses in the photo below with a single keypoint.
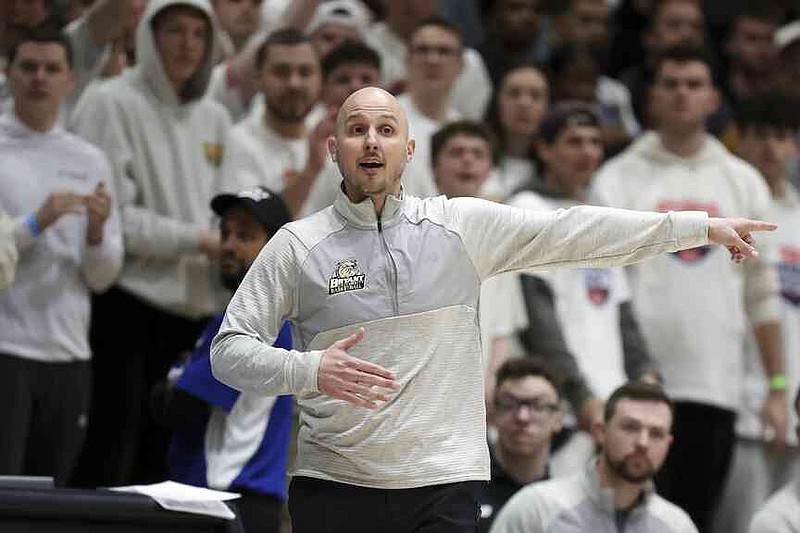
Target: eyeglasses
[
  {"x": 424, "y": 50},
  {"x": 537, "y": 406}
]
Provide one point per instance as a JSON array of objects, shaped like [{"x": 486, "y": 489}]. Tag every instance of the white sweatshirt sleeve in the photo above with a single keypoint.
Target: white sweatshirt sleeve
[
  {"x": 8, "y": 251},
  {"x": 98, "y": 119},
  {"x": 102, "y": 263},
  {"x": 242, "y": 355},
  {"x": 762, "y": 300},
  {"x": 500, "y": 238}
]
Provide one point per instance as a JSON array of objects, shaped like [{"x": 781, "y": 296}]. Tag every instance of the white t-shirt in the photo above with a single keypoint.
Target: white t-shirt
[
  {"x": 587, "y": 302},
  {"x": 257, "y": 155},
  {"x": 418, "y": 177},
  {"x": 513, "y": 174}
]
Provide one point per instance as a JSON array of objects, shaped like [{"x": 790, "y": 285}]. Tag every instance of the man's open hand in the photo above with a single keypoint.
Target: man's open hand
[
  {"x": 348, "y": 378},
  {"x": 736, "y": 235}
]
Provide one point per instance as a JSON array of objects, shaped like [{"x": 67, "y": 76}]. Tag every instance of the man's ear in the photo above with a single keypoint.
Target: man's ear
[
  {"x": 410, "y": 147},
  {"x": 598, "y": 430},
  {"x": 332, "y": 148}
]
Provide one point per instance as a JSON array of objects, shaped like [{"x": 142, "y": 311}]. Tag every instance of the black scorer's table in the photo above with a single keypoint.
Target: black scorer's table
[{"x": 61, "y": 510}]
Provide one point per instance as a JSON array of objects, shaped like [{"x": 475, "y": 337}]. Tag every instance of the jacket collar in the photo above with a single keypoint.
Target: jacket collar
[{"x": 363, "y": 214}]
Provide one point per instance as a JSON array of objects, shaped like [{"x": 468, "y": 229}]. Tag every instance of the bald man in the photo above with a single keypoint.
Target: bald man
[{"x": 382, "y": 292}]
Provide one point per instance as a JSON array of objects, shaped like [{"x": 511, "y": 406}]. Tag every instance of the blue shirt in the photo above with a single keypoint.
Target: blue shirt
[{"x": 242, "y": 446}]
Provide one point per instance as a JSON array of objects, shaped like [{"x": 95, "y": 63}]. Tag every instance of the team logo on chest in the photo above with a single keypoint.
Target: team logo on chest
[
  {"x": 691, "y": 255},
  {"x": 789, "y": 269},
  {"x": 346, "y": 277}
]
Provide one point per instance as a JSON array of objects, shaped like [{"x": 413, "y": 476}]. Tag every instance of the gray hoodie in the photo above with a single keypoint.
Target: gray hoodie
[{"x": 166, "y": 153}]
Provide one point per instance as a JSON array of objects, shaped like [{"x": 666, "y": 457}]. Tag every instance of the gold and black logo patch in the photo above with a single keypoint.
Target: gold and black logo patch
[
  {"x": 214, "y": 153},
  {"x": 347, "y": 276}
]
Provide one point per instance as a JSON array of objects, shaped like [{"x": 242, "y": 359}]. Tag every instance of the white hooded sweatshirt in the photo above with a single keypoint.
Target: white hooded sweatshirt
[
  {"x": 166, "y": 154},
  {"x": 695, "y": 306}
]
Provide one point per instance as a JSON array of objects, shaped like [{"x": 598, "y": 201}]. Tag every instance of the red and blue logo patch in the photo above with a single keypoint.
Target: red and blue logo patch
[
  {"x": 598, "y": 285},
  {"x": 789, "y": 270},
  {"x": 692, "y": 255}
]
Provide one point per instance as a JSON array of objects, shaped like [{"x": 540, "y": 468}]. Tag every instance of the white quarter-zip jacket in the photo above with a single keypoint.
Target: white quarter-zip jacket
[{"x": 412, "y": 280}]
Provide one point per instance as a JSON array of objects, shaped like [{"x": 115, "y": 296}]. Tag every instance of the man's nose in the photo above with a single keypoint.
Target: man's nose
[{"x": 371, "y": 138}]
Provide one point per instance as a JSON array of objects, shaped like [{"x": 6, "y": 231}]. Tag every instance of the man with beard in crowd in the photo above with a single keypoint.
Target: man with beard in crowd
[
  {"x": 223, "y": 439},
  {"x": 272, "y": 142},
  {"x": 615, "y": 489}
]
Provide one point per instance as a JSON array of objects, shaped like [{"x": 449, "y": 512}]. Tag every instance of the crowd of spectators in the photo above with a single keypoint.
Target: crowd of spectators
[{"x": 149, "y": 149}]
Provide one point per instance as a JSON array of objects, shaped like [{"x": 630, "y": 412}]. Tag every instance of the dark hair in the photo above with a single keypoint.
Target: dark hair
[
  {"x": 159, "y": 17},
  {"x": 438, "y": 22},
  {"x": 350, "y": 52},
  {"x": 462, "y": 127},
  {"x": 564, "y": 114},
  {"x": 774, "y": 111},
  {"x": 639, "y": 391},
  {"x": 523, "y": 367},
  {"x": 492, "y": 117},
  {"x": 759, "y": 10},
  {"x": 682, "y": 53},
  {"x": 45, "y": 35},
  {"x": 281, "y": 36},
  {"x": 568, "y": 53}
]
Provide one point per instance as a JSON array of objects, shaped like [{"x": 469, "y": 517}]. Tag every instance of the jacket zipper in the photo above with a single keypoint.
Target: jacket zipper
[{"x": 391, "y": 272}]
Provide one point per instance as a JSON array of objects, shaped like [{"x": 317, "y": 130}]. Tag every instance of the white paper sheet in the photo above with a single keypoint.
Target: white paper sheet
[{"x": 187, "y": 498}]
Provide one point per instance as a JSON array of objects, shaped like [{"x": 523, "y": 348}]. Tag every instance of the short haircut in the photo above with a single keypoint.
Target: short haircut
[
  {"x": 281, "y": 36},
  {"x": 759, "y": 10},
  {"x": 775, "y": 111},
  {"x": 564, "y": 114},
  {"x": 467, "y": 128},
  {"x": 523, "y": 367},
  {"x": 43, "y": 35},
  {"x": 438, "y": 22},
  {"x": 348, "y": 53},
  {"x": 637, "y": 391},
  {"x": 682, "y": 53}
]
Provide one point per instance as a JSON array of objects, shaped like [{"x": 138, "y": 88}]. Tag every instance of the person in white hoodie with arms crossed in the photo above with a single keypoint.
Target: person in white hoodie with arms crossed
[{"x": 165, "y": 140}]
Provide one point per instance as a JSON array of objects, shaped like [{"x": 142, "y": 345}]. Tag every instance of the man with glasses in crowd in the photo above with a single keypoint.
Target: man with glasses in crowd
[{"x": 527, "y": 415}]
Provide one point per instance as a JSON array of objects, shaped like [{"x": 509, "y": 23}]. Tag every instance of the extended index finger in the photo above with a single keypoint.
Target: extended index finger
[{"x": 758, "y": 225}]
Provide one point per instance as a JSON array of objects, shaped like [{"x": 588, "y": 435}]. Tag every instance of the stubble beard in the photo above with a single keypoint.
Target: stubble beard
[{"x": 621, "y": 469}]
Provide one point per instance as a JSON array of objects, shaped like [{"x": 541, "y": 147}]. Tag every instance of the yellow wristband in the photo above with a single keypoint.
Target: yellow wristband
[{"x": 777, "y": 382}]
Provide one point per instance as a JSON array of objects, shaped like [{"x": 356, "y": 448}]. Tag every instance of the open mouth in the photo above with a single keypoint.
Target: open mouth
[{"x": 371, "y": 164}]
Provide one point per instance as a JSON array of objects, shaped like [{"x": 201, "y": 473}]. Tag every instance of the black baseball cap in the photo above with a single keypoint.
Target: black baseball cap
[{"x": 265, "y": 205}]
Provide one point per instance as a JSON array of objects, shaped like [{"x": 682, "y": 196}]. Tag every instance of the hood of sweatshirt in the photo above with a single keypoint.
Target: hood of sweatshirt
[
  {"x": 148, "y": 60},
  {"x": 649, "y": 147}
]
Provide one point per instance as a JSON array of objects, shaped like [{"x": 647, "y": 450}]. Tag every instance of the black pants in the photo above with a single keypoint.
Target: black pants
[
  {"x": 318, "y": 506},
  {"x": 696, "y": 468},
  {"x": 134, "y": 345},
  {"x": 42, "y": 415},
  {"x": 258, "y": 513}
]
